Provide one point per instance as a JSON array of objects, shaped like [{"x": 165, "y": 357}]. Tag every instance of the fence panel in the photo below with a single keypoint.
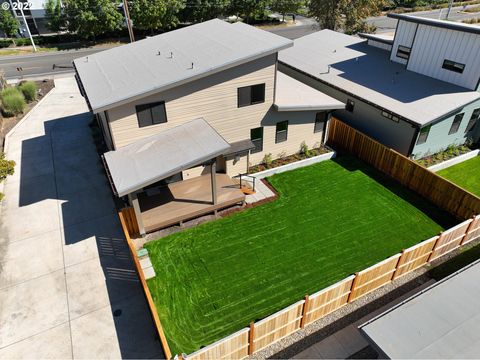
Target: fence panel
[
  {"x": 130, "y": 221},
  {"x": 473, "y": 232},
  {"x": 277, "y": 326},
  {"x": 328, "y": 300},
  {"x": 374, "y": 277},
  {"x": 450, "y": 239},
  {"x": 234, "y": 346},
  {"x": 414, "y": 257}
]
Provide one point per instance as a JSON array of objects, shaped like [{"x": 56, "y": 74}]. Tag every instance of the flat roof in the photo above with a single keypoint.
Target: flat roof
[
  {"x": 293, "y": 95},
  {"x": 349, "y": 64},
  {"x": 445, "y": 24},
  {"x": 440, "y": 322},
  {"x": 139, "y": 69},
  {"x": 157, "y": 157}
]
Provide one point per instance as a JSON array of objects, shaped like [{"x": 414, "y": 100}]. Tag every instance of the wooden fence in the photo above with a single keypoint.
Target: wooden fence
[{"x": 441, "y": 192}]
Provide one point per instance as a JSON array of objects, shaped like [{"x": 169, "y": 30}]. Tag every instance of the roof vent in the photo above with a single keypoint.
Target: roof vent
[
  {"x": 159, "y": 53},
  {"x": 192, "y": 66},
  {"x": 171, "y": 54}
]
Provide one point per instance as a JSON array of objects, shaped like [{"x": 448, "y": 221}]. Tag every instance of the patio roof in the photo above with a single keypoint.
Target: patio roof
[{"x": 157, "y": 157}]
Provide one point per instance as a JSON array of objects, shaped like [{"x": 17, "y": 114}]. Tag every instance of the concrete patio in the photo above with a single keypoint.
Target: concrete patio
[{"x": 68, "y": 288}]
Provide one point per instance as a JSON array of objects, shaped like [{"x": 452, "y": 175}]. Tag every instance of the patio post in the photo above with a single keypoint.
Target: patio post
[
  {"x": 213, "y": 172},
  {"x": 133, "y": 200}
]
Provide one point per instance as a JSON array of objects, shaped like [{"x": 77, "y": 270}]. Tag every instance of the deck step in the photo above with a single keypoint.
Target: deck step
[{"x": 247, "y": 191}]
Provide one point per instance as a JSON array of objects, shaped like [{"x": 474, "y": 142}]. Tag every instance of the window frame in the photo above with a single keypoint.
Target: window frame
[
  {"x": 454, "y": 66},
  {"x": 425, "y": 130},
  {"x": 280, "y": 132},
  {"x": 149, "y": 107},
  {"x": 350, "y": 105},
  {"x": 404, "y": 52},
  {"x": 257, "y": 149},
  {"x": 472, "y": 122},
  {"x": 251, "y": 91},
  {"x": 457, "y": 121},
  {"x": 320, "y": 121}
]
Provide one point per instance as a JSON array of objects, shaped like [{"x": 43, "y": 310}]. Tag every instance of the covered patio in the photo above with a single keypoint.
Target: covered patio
[{"x": 147, "y": 173}]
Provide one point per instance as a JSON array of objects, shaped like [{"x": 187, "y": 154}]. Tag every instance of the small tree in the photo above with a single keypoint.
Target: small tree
[
  {"x": 56, "y": 20},
  {"x": 29, "y": 90},
  {"x": 7, "y": 167},
  {"x": 8, "y": 23},
  {"x": 285, "y": 6}
]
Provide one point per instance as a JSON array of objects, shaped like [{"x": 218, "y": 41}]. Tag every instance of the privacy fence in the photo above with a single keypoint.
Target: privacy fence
[{"x": 458, "y": 202}]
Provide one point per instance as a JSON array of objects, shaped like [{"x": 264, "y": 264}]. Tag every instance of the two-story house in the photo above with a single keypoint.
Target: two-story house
[
  {"x": 416, "y": 91},
  {"x": 205, "y": 99}
]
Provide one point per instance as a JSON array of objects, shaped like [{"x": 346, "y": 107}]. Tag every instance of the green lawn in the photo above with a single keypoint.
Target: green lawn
[
  {"x": 465, "y": 174},
  {"x": 331, "y": 220}
]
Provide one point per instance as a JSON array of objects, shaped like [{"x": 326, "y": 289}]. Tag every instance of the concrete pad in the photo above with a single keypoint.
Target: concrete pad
[
  {"x": 78, "y": 179},
  {"x": 39, "y": 163},
  {"x": 29, "y": 191},
  {"x": 30, "y": 258},
  {"x": 58, "y": 340},
  {"x": 149, "y": 272},
  {"x": 32, "y": 307},
  {"x": 145, "y": 262}
]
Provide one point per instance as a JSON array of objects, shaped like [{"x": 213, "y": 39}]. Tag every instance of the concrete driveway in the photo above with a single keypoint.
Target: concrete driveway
[{"x": 68, "y": 288}]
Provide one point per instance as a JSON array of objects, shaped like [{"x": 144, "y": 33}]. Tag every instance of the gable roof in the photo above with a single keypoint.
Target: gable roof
[
  {"x": 136, "y": 70},
  {"x": 445, "y": 24},
  {"x": 349, "y": 64}
]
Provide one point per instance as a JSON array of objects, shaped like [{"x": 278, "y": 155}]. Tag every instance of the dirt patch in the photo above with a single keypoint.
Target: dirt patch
[{"x": 7, "y": 123}]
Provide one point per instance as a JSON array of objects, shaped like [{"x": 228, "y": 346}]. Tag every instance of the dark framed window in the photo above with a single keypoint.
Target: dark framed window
[
  {"x": 320, "y": 120},
  {"x": 256, "y": 135},
  {"x": 350, "y": 105},
  {"x": 403, "y": 52},
  {"x": 453, "y": 66},
  {"x": 151, "y": 114},
  {"x": 457, "y": 120},
  {"x": 251, "y": 95},
  {"x": 390, "y": 116},
  {"x": 281, "y": 132},
  {"x": 422, "y": 137},
  {"x": 473, "y": 120}
]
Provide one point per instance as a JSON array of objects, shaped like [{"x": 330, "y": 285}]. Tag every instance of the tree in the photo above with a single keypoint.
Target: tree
[
  {"x": 249, "y": 9},
  {"x": 155, "y": 14},
  {"x": 348, "y": 15},
  {"x": 8, "y": 23},
  {"x": 90, "y": 18},
  {"x": 285, "y": 6},
  {"x": 55, "y": 17},
  {"x": 201, "y": 10}
]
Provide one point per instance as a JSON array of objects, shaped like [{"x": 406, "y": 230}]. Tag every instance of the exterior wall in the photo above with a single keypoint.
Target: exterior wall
[
  {"x": 379, "y": 45},
  {"x": 404, "y": 36},
  {"x": 105, "y": 130},
  {"x": 364, "y": 117},
  {"x": 438, "y": 138},
  {"x": 433, "y": 45},
  {"x": 235, "y": 167},
  {"x": 214, "y": 98}
]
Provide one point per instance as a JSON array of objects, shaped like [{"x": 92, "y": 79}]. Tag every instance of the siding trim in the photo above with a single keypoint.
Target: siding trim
[{"x": 411, "y": 47}]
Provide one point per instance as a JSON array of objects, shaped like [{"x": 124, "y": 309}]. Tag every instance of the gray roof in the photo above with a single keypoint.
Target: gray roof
[
  {"x": 366, "y": 72},
  {"x": 157, "y": 157},
  {"x": 136, "y": 70},
  {"x": 445, "y": 24},
  {"x": 441, "y": 322},
  {"x": 238, "y": 147},
  {"x": 293, "y": 95},
  {"x": 383, "y": 38}
]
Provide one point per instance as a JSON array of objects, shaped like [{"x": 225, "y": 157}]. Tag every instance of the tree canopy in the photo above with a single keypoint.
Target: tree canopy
[
  {"x": 201, "y": 10},
  {"x": 8, "y": 23},
  {"x": 155, "y": 14},
  {"x": 56, "y": 20},
  {"x": 285, "y": 6}
]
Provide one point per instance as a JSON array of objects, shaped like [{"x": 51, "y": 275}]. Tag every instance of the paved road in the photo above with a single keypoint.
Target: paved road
[{"x": 68, "y": 288}]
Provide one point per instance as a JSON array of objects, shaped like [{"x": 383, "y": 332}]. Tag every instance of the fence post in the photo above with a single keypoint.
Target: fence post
[
  {"x": 304, "y": 312},
  {"x": 251, "y": 336},
  {"x": 467, "y": 231},
  {"x": 350, "y": 296},
  {"x": 394, "y": 276},
  {"x": 434, "y": 247}
]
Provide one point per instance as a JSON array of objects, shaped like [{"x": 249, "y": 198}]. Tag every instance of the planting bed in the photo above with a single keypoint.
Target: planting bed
[{"x": 331, "y": 219}]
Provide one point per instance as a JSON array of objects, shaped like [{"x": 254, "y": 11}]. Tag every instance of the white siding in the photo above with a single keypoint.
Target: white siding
[
  {"x": 433, "y": 45},
  {"x": 404, "y": 36}
]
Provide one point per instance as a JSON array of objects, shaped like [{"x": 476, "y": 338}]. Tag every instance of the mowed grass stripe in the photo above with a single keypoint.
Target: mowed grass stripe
[
  {"x": 330, "y": 220},
  {"x": 465, "y": 175}
]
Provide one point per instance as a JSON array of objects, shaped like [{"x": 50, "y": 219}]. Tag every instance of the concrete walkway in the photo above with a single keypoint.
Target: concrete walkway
[{"x": 68, "y": 288}]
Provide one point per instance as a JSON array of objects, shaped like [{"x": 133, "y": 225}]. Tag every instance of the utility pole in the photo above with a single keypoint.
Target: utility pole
[
  {"x": 20, "y": 6},
  {"x": 450, "y": 4},
  {"x": 128, "y": 20}
]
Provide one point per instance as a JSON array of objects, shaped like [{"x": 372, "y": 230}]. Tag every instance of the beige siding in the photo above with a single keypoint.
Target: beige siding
[
  {"x": 235, "y": 167},
  {"x": 214, "y": 98},
  {"x": 195, "y": 171}
]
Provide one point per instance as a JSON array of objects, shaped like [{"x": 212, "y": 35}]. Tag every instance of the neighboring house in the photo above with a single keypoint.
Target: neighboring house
[
  {"x": 226, "y": 75},
  {"x": 417, "y": 91},
  {"x": 440, "y": 322},
  {"x": 34, "y": 14}
]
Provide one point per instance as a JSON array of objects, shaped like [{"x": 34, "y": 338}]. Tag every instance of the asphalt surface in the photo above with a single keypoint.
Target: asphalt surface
[{"x": 47, "y": 64}]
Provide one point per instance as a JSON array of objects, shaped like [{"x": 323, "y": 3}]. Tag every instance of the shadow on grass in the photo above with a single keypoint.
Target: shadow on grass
[{"x": 441, "y": 217}]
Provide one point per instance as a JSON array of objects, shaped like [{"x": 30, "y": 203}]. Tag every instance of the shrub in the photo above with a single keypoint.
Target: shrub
[
  {"x": 6, "y": 167},
  {"x": 29, "y": 90},
  {"x": 267, "y": 160},
  {"x": 13, "y": 102},
  {"x": 304, "y": 150}
]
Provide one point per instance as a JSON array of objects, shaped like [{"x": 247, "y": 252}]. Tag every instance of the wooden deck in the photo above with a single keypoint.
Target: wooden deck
[{"x": 185, "y": 200}]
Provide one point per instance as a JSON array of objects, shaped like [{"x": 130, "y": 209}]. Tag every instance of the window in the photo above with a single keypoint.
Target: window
[
  {"x": 473, "y": 120},
  {"x": 456, "y": 123},
  {"x": 422, "y": 137},
  {"x": 320, "y": 120},
  {"x": 390, "y": 116},
  {"x": 251, "y": 95},
  {"x": 281, "y": 132},
  {"x": 256, "y": 135},
  {"x": 453, "y": 66},
  {"x": 403, "y": 52},
  {"x": 151, "y": 114},
  {"x": 350, "y": 105}
]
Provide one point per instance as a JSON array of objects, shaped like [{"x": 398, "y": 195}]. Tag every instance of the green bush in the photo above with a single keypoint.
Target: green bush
[
  {"x": 13, "y": 102},
  {"x": 6, "y": 167},
  {"x": 29, "y": 90}
]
